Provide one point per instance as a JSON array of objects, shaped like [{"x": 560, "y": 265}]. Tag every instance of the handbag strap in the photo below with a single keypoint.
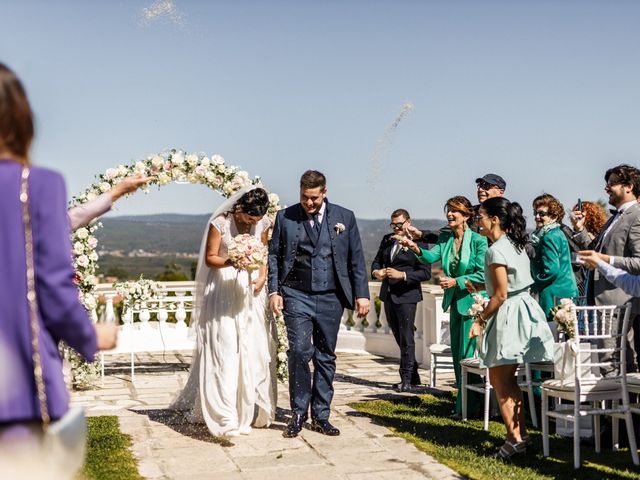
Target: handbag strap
[{"x": 32, "y": 300}]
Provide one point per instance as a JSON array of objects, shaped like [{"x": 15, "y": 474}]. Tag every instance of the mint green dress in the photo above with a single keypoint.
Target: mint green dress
[{"x": 518, "y": 332}]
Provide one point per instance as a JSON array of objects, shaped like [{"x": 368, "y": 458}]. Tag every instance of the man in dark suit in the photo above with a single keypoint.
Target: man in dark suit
[
  {"x": 401, "y": 274},
  {"x": 316, "y": 269}
]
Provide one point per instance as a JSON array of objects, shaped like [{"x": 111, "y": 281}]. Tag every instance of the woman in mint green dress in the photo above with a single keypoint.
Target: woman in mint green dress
[
  {"x": 461, "y": 252},
  {"x": 515, "y": 327}
]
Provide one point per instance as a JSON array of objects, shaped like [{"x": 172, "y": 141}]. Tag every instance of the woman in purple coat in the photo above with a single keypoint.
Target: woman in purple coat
[{"x": 61, "y": 315}]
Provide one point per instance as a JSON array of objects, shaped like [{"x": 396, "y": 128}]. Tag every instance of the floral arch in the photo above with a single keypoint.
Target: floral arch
[{"x": 168, "y": 166}]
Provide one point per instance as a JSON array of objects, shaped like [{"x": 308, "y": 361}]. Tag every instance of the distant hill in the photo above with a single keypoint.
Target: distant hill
[{"x": 169, "y": 234}]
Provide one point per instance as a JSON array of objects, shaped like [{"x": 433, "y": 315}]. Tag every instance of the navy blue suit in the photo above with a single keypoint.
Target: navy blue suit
[{"x": 318, "y": 274}]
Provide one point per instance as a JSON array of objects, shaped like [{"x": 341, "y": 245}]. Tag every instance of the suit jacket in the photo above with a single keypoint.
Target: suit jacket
[
  {"x": 400, "y": 291},
  {"x": 471, "y": 266},
  {"x": 348, "y": 257},
  {"x": 61, "y": 315},
  {"x": 551, "y": 269},
  {"x": 623, "y": 242}
]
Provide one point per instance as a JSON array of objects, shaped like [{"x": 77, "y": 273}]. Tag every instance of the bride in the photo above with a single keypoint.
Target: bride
[{"x": 231, "y": 384}]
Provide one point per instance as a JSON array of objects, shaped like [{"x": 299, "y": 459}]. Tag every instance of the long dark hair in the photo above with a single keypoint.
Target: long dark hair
[
  {"x": 511, "y": 219},
  {"x": 16, "y": 119},
  {"x": 255, "y": 202}
]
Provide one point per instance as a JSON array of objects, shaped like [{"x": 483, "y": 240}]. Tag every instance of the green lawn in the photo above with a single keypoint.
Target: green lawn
[
  {"x": 108, "y": 452},
  {"x": 466, "y": 448}
]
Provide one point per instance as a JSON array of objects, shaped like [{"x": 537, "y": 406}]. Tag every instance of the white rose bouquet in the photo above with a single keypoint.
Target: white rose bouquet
[
  {"x": 138, "y": 291},
  {"x": 247, "y": 252},
  {"x": 565, "y": 316},
  {"x": 476, "y": 309}
]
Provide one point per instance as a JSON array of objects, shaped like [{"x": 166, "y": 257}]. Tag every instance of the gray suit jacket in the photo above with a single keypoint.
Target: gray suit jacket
[{"x": 622, "y": 242}]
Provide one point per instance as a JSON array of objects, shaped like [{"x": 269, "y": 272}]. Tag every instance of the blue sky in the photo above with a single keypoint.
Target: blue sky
[{"x": 544, "y": 93}]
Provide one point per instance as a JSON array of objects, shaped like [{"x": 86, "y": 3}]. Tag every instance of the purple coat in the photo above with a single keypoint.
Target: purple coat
[{"x": 62, "y": 317}]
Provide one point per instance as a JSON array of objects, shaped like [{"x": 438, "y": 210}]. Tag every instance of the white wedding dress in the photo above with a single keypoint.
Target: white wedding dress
[{"x": 232, "y": 382}]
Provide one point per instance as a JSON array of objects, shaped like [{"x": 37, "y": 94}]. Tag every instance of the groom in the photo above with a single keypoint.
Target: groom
[{"x": 316, "y": 269}]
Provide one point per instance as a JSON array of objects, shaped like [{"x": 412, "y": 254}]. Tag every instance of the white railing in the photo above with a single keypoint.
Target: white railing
[{"x": 372, "y": 334}]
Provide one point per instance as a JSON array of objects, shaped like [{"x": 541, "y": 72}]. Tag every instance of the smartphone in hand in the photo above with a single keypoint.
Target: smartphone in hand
[{"x": 579, "y": 206}]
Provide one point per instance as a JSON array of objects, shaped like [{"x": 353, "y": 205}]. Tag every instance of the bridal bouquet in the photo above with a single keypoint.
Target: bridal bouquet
[
  {"x": 135, "y": 292},
  {"x": 565, "y": 316},
  {"x": 477, "y": 307},
  {"x": 247, "y": 252}
]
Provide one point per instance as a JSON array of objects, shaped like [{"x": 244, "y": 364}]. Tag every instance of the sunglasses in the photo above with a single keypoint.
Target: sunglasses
[
  {"x": 486, "y": 186},
  {"x": 540, "y": 213},
  {"x": 479, "y": 217},
  {"x": 397, "y": 226}
]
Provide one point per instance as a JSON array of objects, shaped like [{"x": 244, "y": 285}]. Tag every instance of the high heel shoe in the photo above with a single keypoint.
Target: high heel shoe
[{"x": 509, "y": 449}]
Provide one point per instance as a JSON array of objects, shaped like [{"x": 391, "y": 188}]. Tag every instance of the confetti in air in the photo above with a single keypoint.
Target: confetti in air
[
  {"x": 162, "y": 10},
  {"x": 384, "y": 145}
]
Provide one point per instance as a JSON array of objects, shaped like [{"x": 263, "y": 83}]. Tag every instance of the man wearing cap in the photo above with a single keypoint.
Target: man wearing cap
[{"x": 490, "y": 186}]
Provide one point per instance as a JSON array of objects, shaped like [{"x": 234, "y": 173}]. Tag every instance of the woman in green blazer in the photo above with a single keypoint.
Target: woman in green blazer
[
  {"x": 551, "y": 268},
  {"x": 461, "y": 252}
]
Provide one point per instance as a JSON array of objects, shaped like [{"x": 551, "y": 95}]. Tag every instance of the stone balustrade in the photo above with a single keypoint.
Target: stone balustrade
[{"x": 139, "y": 333}]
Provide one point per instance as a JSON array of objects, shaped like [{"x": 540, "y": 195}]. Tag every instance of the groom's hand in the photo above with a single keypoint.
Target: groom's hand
[
  {"x": 362, "y": 307},
  {"x": 275, "y": 304}
]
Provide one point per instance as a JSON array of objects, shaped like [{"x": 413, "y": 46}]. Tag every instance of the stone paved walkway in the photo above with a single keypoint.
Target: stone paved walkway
[{"x": 169, "y": 448}]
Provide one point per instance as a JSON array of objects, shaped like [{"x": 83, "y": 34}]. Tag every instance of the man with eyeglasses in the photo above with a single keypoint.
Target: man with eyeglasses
[
  {"x": 401, "y": 273},
  {"x": 618, "y": 245}
]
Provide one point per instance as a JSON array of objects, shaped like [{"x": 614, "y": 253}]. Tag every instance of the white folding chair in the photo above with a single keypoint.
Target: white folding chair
[
  {"x": 472, "y": 365},
  {"x": 440, "y": 352},
  {"x": 599, "y": 345}
]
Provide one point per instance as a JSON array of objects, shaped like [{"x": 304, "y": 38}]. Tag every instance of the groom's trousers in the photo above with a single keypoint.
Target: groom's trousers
[{"x": 313, "y": 321}]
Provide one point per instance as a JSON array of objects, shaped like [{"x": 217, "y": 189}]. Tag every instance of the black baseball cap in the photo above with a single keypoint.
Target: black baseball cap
[{"x": 493, "y": 179}]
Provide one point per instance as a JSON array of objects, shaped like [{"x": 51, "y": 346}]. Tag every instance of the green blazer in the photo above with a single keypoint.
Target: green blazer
[
  {"x": 471, "y": 266},
  {"x": 551, "y": 270}
]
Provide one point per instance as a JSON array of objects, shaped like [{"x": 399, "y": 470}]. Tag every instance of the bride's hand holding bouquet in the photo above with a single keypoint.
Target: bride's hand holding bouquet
[{"x": 247, "y": 252}]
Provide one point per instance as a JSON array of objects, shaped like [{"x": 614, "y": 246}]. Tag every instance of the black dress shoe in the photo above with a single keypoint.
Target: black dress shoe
[
  {"x": 324, "y": 427},
  {"x": 294, "y": 426},
  {"x": 403, "y": 387}
]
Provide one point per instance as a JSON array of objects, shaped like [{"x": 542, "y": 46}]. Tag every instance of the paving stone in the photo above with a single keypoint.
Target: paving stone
[{"x": 168, "y": 448}]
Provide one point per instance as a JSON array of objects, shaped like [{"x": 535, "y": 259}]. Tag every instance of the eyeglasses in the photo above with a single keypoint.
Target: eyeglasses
[
  {"x": 485, "y": 186},
  {"x": 613, "y": 183},
  {"x": 397, "y": 226},
  {"x": 540, "y": 213}
]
